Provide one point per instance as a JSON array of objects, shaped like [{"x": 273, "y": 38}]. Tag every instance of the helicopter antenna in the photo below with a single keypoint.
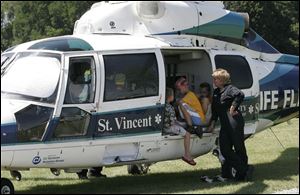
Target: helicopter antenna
[{"x": 277, "y": 138}]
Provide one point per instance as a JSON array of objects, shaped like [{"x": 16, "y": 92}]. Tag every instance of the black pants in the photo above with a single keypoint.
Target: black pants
[
  {"x": 232, "y": 136},
  {"x": 84, "y": 172}
]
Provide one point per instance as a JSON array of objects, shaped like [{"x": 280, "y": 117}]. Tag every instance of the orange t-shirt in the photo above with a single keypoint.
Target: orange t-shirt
[{"x": 191, "y": 99}]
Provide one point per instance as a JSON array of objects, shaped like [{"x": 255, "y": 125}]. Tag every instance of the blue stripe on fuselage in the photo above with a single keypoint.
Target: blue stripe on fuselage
[
  {"x": 126, "y": 118},
  {"x": 8, "y": 133},
  {"x": 283, "y": 81},
  {"x": 279, "y": 71}
]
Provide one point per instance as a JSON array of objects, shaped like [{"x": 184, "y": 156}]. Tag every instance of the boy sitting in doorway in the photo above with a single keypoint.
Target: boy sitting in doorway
[
  {"x": 171, "y": 125},
  {"x": 190, "y": 108}
]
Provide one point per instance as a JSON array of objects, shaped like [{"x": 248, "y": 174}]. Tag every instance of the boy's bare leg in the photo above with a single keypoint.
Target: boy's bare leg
[
  {"x": 187, "y": 140},
  {"x": 187, "y": 137}
]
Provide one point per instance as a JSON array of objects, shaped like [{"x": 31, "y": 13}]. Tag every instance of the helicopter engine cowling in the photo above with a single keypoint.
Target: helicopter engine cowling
[{"x": 159, "y": 18}]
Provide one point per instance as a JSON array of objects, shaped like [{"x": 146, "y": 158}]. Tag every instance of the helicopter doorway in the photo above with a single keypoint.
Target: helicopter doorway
[{"x": 194, "y": 65}]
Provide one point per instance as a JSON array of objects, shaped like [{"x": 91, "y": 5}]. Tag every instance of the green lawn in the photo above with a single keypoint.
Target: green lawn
[{"x": 276, "y": 168}]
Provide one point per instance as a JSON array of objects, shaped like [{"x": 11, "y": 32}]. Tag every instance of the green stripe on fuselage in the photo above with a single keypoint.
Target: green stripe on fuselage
[{"x": 231, "y": 25}]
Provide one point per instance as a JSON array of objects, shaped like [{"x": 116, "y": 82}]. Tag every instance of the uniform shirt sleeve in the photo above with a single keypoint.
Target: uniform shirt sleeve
[
  {"x": 237, "y": 95},
  {"x": 214, "y": 116}
]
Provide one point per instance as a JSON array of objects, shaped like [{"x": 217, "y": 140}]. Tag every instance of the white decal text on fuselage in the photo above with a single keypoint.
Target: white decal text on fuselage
[
  {"x": 123, "y": 123},
  {"x": 269, "y": 100}
]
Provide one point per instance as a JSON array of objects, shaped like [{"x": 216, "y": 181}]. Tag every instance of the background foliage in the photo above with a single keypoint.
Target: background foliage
[{"x": 21, "y": 21}]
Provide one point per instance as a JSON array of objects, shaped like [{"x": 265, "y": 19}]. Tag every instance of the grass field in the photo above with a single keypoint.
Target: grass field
[{"x": 276, "y": 168}]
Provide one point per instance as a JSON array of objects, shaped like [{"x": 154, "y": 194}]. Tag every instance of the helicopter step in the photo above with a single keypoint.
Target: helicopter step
[{"x": 113, "y": 154}]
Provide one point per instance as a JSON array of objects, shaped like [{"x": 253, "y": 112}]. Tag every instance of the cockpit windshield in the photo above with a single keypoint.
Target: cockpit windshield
[
  {"x": 5, "y": 58},
  {"x": 32, "y": 76}
]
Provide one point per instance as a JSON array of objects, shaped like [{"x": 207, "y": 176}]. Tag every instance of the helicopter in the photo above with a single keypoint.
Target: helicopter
[{"x": 60, "y": 108}]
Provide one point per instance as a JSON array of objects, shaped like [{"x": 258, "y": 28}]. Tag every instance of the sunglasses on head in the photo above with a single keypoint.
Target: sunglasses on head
[{"x": 185, "y": 83}]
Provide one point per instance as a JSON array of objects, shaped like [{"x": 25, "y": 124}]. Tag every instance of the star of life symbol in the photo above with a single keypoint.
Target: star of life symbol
[
  {"x": 251, "y": 109},
  {"x": 157, "y": 118}
]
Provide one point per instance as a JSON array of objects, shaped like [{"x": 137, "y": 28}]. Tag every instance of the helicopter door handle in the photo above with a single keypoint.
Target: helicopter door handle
[{"x": 92, "y": 111}]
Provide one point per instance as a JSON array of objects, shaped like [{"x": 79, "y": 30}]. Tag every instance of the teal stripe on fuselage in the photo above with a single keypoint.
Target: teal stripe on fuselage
[
  {"x": 289, "y": 59},
  {"x": 231, "y": 25}
]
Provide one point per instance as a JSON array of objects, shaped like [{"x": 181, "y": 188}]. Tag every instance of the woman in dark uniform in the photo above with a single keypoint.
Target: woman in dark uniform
[{"x": 226, "y": 101}]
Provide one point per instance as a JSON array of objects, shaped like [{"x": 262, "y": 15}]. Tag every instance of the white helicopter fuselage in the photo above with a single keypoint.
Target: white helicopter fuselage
[
  {"x": 103, "y": 130},
  {"x": 91, "y": 151}
]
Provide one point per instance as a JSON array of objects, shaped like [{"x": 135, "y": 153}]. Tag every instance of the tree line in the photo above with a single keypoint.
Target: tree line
[{"x": 22, "y": 21}]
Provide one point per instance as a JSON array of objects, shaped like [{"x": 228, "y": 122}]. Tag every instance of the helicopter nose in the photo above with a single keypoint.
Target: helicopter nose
[
  {"x": 8, "y": 133},
  {"x": 8, "y": 126}
]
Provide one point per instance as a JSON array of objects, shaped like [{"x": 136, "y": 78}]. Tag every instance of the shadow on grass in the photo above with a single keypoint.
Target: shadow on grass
[{"x": 282, "y": 168}]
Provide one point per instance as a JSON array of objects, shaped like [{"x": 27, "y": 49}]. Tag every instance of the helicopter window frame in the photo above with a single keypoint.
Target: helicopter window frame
[
  {"x": 32, "y": 122},
  {"x": 132, "y": 86},
  {"x": 73, "y": 122},
  {"x": 63, "y": 44},
  {"x": 6, "y": 57},
  {"x": 238, "y": 68},
  {"x": 86, "y": 85}
]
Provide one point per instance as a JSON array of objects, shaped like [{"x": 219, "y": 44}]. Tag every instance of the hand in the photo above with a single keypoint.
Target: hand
[
  {"x": 232, "y": 111},
  {"x": 211, "y": 128}
]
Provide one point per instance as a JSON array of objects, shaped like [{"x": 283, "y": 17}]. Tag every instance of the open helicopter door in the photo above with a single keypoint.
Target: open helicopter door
[
  {"x": 73, "y": 114},
  {"x": 79, "y": 96},
  {"x": 244, "y": 76}
]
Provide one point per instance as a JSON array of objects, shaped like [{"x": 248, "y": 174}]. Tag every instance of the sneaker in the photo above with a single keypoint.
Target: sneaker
[
  {"x": 199, "y": 131},
  {"x": 219, "y": 178},
  {"x": 82, "y": 175},
  {"x": 249, "y": 173},
  {"x": 190, "y": 129},
  {"x": 195, "y": 130},
  {"x": 206, "y": 179}
]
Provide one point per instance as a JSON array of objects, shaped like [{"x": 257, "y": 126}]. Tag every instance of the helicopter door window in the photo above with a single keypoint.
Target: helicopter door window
[
  {"x": 32, "y": 122},
  {"x": 130, "y": 76},
  {"x": 239, "y": 69},
  {"x": 73, "y": 122},
  {"x": 81, "y": 81}
]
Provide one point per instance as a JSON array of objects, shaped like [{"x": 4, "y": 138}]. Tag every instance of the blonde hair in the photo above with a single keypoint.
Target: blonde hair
[{"x": 222, "y": 74}]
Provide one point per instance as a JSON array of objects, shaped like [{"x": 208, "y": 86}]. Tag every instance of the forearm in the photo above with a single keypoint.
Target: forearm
[{"x": 238, "y": 96}]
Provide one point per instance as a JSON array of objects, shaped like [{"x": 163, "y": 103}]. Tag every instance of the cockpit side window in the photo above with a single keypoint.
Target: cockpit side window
[
  {"x": 81, "y": 81},
  {"x": 32, "y": 122},
  {"x": 239, "y": 69}
]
